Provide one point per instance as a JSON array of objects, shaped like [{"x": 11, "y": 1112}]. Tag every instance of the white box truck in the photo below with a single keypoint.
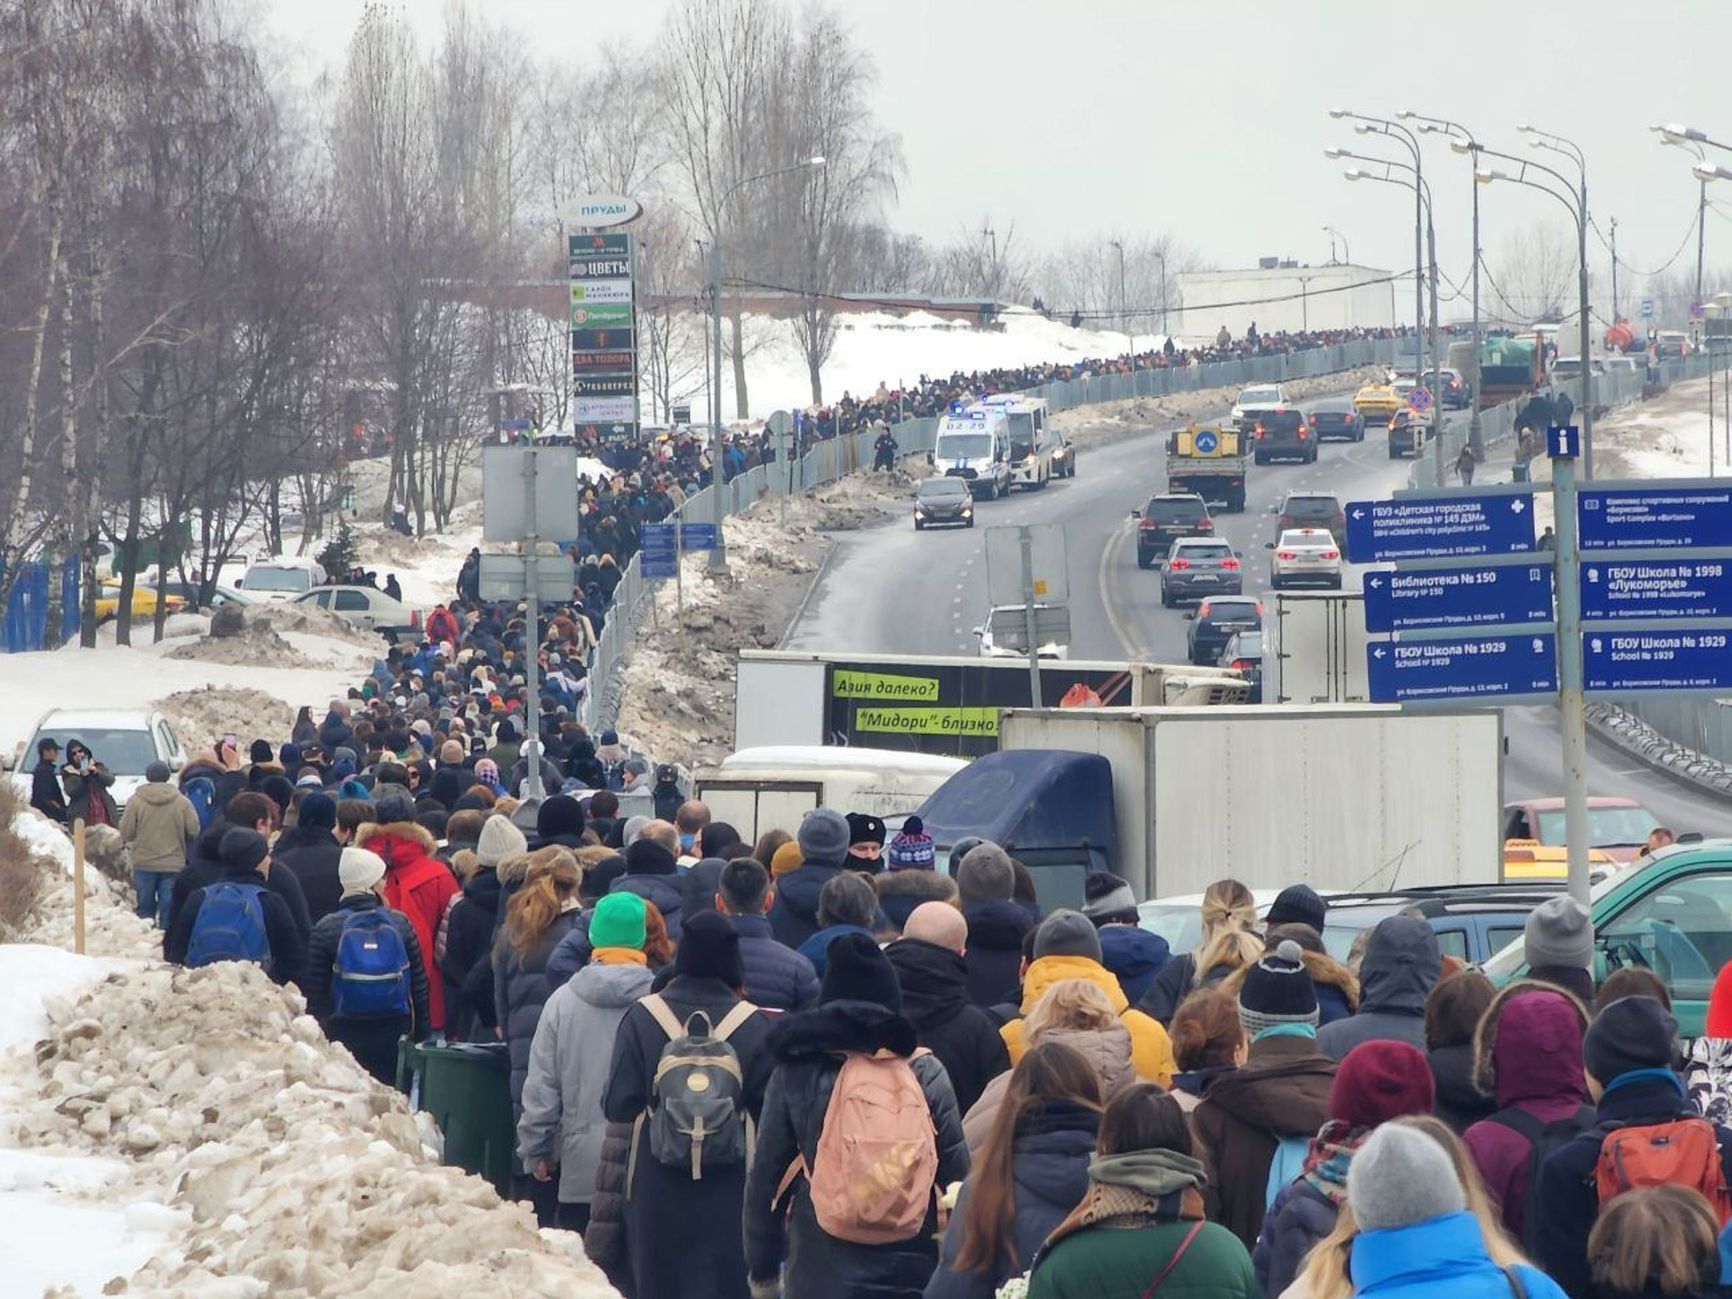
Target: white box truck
[
  {"x": 1314, "y": 648},
  {"x": 1339, "y": 797}
]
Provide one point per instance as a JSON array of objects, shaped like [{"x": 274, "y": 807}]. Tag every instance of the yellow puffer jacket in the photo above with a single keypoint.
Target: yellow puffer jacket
[{"x": 1151, "y": 1048}]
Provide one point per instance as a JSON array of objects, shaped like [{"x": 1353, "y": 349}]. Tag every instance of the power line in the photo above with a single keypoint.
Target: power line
[{"x": 1682, "y": 245}]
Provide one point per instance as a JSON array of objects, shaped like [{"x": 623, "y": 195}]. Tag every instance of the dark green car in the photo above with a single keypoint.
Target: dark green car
[{"x": 1670, "y": 913}]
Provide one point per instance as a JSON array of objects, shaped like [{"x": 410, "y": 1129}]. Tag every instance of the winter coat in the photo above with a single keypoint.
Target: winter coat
[
  {"x": 1708, "y": 1077},
  {"x": 46, "y": 796},
  {"x": 1107, "y": 1262},
  {"x": 1191, "y": 1085},
  {"x": 419, "y": 885},
  {"x": 994, "y": 955},
  {"x": 794, "y": 914},
  {"x": 520, "y": 990},
  {"x": 287, "y": 940},
  {"x": 816, "y": 949},
  {"x": 322, "y": 960},
  {"x": 709, "y": 1260},
  {"x": 1298, "y": 1218},
  {"x": 935, "y": 1000},
  {"x": 158, "y": 826},
  {"x": 776, "y": 978},
  {"x": 1459, "y": 1102},
  {"x": 604, "y": 1238},
  {"x": 562, "y": 1121},
  {"x": 203, "y": 867},
  {"x": 1528, "y": 1056},
  {"x": 664, "y": 891},
  {"x": 1135, "y": 955},
  {"x": 1050, "y": 1173},
  {"x": 1645, "y": 1098},
  {"x": 85, "y": 788},
  {"x": 899, "y": 892},
  {"x": 468, "y": 939},
  {"x": 1336, "y": 987},
  {"x": 1281, "y": 1091},
  {"x": 809, "y": 1049},
  {"x": 1395, "y": 978},
  {"x": 1151, "y": 1049},
  {"x": 313, "y": 861},
  {"x": 1440, "y": 1256},
  {"x": 1108, "y": 1051},
  {"x": 1177, "y": 980}
]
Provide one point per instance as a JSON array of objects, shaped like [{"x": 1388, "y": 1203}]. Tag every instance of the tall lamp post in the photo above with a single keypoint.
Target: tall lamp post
[
  {"x": 1334, "y": 234},
  {"x": 1124, "y": 304},
  {"x": 1688, "y": 137},
  {"x": 1367, "y": 125},
  {"x": 1161, "y": 261},
  {"x": 719, "y": 556}
]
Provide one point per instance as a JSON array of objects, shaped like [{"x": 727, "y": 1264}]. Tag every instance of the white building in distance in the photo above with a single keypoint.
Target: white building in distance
[{"x": 1285, "y": 297}]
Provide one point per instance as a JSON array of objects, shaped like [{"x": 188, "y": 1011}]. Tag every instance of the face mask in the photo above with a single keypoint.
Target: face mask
[{"x": 687, "y": 840}]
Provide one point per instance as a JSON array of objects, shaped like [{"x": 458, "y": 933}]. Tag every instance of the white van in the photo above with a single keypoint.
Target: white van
[
  {"x": 1032, "y": 442},
  {"x": 280, "y": 580},
  {"x": 974, "y": 443},
  {"x": 772, "y": 787}
]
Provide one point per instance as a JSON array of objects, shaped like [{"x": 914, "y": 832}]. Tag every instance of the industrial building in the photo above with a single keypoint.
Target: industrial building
[{"x": 1286, "y": 297}]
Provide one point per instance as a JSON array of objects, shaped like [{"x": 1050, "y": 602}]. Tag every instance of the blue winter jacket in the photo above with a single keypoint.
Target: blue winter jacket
[
  {"x": 1440, "y": 1256},
  {"x": 816, "y": 949},
  {"x": 777, "y": 977},
  {"x": 1135, "y": 955},
  {"x": 794, "y": 915}
]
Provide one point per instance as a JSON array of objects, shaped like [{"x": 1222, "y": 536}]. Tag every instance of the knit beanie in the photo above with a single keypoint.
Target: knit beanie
[
  {"x": 1298, "y": 904},
  {"x": 709, "y": 949},
  {"x": 499, "y": 840},
  {"x": 1632, "y": 1033},
  {"x": 318, "y": 812},
  {"x": 985, "y": 875},
  {"x": 1381, "y": 1080},
  {"x": 560, "y": 814},
  {"x": 157, "y": 773},
  {"x": 938, "y": 923},
  {"x": 359, "y": 870},
  {"x": 1400, "y": 1177},
  {"x": 599, "y": 878},
  {"x": 1559, "y": 932},
  {"x": 1066, "y": 933},
  {"x": 618, "y": 921},
  {"x": 1107, "y": 896},
  {"x": 912, "y": 848},
  {"x": 394, "y": 809},
  {"x": 1277, "y": 990},
  {"x": 647, "y": 857},
  {"x": 855, "y": 970},
  {"x": 784, "y": 859},
  {"x": 242, "y": 847},
  {"x": 823, "y": 837}
]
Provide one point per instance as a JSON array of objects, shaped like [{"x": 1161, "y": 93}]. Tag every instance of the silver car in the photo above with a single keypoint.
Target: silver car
[
  {"x": 1198, "y": 567},
  {"x": 365, "y": 607}
]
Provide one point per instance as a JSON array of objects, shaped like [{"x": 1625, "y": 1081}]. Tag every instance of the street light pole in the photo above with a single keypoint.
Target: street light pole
[
  {"x": 1461, "y": 140},
  {"x": 1161, "y": 261},
  {"x": 1559, "y": 144},
  {"x": 1125, "y": 305}
]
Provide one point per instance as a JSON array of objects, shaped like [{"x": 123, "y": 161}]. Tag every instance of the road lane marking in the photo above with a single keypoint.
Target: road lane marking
[{"x": 1109, "y": 552}]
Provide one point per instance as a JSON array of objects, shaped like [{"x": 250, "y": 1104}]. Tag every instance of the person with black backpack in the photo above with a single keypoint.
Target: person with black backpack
[
  {"x": 236, "y": 917},
  {"x": 689, "y": 1073},
  {"x": 1527, "y": 1056},
  {"x": 366, "y": 980}
]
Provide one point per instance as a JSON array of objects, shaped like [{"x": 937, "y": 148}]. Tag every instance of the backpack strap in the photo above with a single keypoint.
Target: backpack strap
[
  {"x": 1517, "y": 1289},
  {"x": 742, "y": 1011},
  {"x": 664, "y": 1016},
  {"x": 1520, "y": 1122},
  {"x": 1173, "y": 1262}
]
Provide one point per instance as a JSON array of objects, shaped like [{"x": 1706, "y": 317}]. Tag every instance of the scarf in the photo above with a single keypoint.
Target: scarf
[
  {"x": 1141, "y": 1188},
  {"x": 618, "y": 956},
  {"x": 1327, "y": 1160}
]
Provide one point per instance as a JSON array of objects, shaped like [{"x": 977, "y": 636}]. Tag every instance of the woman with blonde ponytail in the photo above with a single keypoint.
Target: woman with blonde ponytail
[{"x": 1230, "y": 943}]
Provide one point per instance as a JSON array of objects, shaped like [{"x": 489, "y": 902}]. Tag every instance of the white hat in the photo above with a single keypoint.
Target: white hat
[{"x": 359, "y": 870}]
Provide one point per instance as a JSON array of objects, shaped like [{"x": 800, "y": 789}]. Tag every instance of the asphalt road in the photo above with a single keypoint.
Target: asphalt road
[{"x": 891, "y": 590}]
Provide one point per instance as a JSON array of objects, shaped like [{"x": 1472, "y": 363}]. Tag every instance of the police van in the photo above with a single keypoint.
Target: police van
[
  {"x": 1033, "y": 443},
  {"x": 973, "y": 443}
]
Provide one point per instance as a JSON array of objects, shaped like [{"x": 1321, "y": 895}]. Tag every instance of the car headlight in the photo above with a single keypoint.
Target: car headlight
[
  {"x": 967, "y": 511},
  {"x": 919, "y": 513}
]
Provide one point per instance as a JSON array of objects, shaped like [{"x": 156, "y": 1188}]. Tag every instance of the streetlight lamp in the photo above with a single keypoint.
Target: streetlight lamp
[
  {"x": 1724, "y": 302},
  {"x": 719, "y": 556},
  {"x": 1692, "y": 141}
]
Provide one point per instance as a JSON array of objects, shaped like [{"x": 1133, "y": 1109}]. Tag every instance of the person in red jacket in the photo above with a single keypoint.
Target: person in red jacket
[
  {"x": 417, "y": 883},
  {"x": 442, "y": 625}
]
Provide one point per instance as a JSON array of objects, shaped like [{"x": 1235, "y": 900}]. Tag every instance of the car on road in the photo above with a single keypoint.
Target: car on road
[
  {"x": 277, "y": 581},
  {"x": 1671, "y": 345},
  {"x": 1063, "y": 455},
  {"x": 190, "y": 593},
  {"x": 1013, "y": 616},
  {"x": 943, "y": 503},
  {"x": 1626, "y": 365},
  {"x": 1164, "y": 519},
  {"x": 1282, "y": 434},
  {"x": 1473, "y": 922},
  {"x": 1335, "y": 418},
  {"x": 1407, "y": 433},
  {"x": 1216, "y": 621},
  {"x": 1253, "y": 401},
  {"x": 125, "y": 740},
  {"x": 1305, "y": 556},
  {"x": 372, "y": 610},
  {"x": 144, "y": 601},
  {"x": 1376, "y": 402},
  {"x": 1244, "y": 653},
  {"x": 1617, "y": 826},
  {"x": 1312, "y": 510},
  {"x": 1449, "y": 388},
  {"x": 1196, "y": 567}
]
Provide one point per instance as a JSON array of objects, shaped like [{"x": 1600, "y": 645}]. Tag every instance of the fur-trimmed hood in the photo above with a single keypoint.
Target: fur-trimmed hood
[
  {"x": 1540, "y": 1057},
  {"x": 1324, "y": 970},
  {"x": 841, "y": 1026},
  {"x": 396, "y": 841},
  {"x": 926, "y": 886}
]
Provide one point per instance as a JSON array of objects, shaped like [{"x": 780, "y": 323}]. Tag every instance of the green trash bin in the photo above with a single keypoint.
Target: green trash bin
[{"x": 466, "y": 1087}]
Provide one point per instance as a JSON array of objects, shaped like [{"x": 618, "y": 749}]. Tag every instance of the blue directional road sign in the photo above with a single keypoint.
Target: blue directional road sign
[
  {"x": 657, "y": 536},
  {"x": 1656, "y": 588},
  {"x": 699, "y": 536},
  {"x": 1654, "y": 518},
  {"x": 1439, "y": 527},
  {"x": 1657, "y": 660},
  {"x": 1206, "y": 442},
  {"x": 1408, "y": 671},
  {"x": 1433, "y": 598},
  {"x": 657, "y": 564}
]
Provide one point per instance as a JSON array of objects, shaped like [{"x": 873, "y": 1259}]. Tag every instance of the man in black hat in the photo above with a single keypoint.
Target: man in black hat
[
  {"x": 865, "y": 842},
  {"x": 242, "y": 905},
  {"x": 46, "y": 796}
]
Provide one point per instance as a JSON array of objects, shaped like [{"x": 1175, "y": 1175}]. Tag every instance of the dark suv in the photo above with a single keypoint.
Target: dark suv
[
  {"x": 1217, "y": 620},
  {"x": 1282, "y": 433},
  {"x": 1313, "y": 510},
  {"x": 1165, "y": 519}
]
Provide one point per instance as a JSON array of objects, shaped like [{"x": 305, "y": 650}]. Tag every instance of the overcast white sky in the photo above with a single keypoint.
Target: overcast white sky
[{"x": 1208, "y": 119}]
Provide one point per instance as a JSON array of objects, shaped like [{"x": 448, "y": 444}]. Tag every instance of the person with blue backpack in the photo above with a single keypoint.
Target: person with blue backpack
[
  {"x": 366, "y": 980},
  {"x": 236, "y": 917}
]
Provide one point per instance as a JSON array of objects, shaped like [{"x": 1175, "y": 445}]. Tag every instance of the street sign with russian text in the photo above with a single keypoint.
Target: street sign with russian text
[
  {"x": 1436, "y": 598},
  {"x": 1411, "y": 671},
  {"x": 1656, "y": 588},
  {"x": 1439, "y": 527},
  {"x": 1654, "y": 518},
  {"x": 1657, "y": 660}
]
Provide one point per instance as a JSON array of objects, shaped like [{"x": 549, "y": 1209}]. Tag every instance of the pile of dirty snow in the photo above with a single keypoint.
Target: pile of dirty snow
[
  {"x": 1666, "y": 437},
  {"x": 257, "y": 644},
  {"x": 313, "y": 621},
  {"x": 201, "y": 717}
]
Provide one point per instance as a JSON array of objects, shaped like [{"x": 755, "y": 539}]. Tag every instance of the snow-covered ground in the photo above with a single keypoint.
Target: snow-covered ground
[{"x": 1666, "y": 437}]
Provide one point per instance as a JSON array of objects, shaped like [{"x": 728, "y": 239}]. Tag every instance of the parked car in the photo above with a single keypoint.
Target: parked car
[
  {"x": 280, "y": 580},
  {"x": 144, "y": 602},
  {"x": 1305, "y": 555},
  {"x": 1244, "y": 653},
  {"x": 125, "y": 740},
  {"x": 1616, "y": 826},
  {"x": 1198, "y": 567},
  {"x": 1179, "y": 919},
  {"x": 1336, "y": 418},
  {"x": 1216, "y": 620},
  {"x": 1472, "y": 921},
  {"x": 362, "y": 606},
  {"x": 1063, "y": 456}
]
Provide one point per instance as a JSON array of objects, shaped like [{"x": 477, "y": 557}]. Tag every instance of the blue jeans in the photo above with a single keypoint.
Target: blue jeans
[{"x": 154, "y": 890}]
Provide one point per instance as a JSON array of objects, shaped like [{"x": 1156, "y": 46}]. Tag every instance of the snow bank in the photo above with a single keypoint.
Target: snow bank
[{"x": 1666, "y": 437}]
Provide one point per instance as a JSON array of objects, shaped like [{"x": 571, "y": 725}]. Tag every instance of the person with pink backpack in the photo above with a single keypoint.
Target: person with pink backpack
[{"x": 860, "y": 1135}]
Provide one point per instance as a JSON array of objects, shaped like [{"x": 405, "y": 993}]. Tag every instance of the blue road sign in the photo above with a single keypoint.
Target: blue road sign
[
  {"x": 1408, "y": 671},
  {"x": 1420, "y": 399},
  {"x": 1657, "y": 660},
  {"x": 699, "y": 536},
  {"x": 657, "y": 565},
  {"x": 1657, "y": 588},
  {"x": 1647, "y": 308},
  {"x": 1563, "y": 441},
  {"x": 1206, "y": 442},
  {"x": 1439, "y": 527},
  {"x": 1434, "y": 598},
  {"x": 1654, "y": 518}
]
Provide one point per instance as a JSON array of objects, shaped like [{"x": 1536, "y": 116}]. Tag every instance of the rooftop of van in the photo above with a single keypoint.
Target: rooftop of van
[{"x": 839, "y": 758}]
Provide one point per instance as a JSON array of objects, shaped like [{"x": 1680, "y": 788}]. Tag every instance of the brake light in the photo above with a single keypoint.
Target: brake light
[
  {"x": 1231, "y": 565},
  {"x": 1178, "y": 565},
  {"x": 1147, "y": 525},
  {"x": 1286, "y": 554},
  {"x": 1314, "y": 421},
  {"x": 1259, "y": 432},
  {"x": 1243, "y": 665},
  {"x": 1259, "y": 609},
  {"x": 415, "y": 619},
  {"x": 1302, "y": 434},
  {"x": 1205, "y": 525},
  {"x": 1332, "y": 554}
]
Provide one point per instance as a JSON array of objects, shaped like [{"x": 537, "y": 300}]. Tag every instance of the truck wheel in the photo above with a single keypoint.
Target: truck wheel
[
  {"x": 1237, "y": 504},
  {"x": 970, "y": 522},
  {"x": 918, "y": 525}
]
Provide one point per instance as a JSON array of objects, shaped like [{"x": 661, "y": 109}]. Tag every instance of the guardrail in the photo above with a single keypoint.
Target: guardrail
[{"x": 835, "y": 457}]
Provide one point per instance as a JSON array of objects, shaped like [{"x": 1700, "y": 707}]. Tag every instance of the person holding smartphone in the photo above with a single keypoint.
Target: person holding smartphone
[{"x": 87, "y": 783}]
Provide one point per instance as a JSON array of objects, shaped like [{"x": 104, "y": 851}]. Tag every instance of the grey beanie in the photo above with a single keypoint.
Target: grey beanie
[
  {"x": 823, "y": 837},
  {"x": 156, "y": 772},
  {"x": 1560, "y": 932},
  {"x": 499, "y": 840},
  {"x": 1064, "y": 933},
  {"x": 526, "y": 815},
  {"x": 985, "y": 875},
  {"x": 1400, "y": 1177}
]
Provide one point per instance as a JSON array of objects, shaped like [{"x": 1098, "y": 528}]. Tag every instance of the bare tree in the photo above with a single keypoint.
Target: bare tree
[
  {"x": 1535, "y": 276},
  {"x": 985, "y": 264}
]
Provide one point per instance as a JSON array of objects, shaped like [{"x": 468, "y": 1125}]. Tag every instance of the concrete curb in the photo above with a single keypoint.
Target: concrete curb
[{"x": 799, "y": 610}]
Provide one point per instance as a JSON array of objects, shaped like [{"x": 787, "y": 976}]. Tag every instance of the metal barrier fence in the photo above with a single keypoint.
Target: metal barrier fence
[
  {"x": 831, "y": 459},
  {"x": 1702, "y": 725}
]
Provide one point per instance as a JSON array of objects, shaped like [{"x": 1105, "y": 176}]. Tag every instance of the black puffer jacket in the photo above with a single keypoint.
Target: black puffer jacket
[
  {"x": 809, "y": 1049},
  {"x": 322, "y": 956},
  {"x": 664, "y": 891},
  {"x": 935, "y": 1000},
  {"x": 794, "y": 915},
  {"x": 994, "y": 956},
  {"x": 312, "y": 858},
  {"x": 604, "y": 1238},
  {"x": 467, "y": 936},
  {"x": 520, "y": 990},
  {"x": 1460, "y": 1103},
  {"x": 777, "y": 977},
  {"x": 1299, "y": 1217}
]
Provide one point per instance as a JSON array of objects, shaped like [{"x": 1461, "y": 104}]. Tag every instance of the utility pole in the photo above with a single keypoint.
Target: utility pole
[
  {"x": 718, "y": 556},
  {"x": 1614, "y": 241},
  {"x": 1475, "y": 431},
  {"x": 531, "y": 632},
  {"x": 1571, "y": 701}
]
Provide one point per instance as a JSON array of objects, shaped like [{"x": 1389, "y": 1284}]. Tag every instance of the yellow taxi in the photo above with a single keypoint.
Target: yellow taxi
[
  {"x": 1529, "y": 859},
  {"x": 143, "y": 601},
  {"x": 1377, "y": 401}
]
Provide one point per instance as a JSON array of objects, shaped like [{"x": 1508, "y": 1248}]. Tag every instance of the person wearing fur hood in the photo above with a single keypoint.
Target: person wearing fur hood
[
  {"x": 900, "y": 891},
  {"x": 417, "y": 883}
]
